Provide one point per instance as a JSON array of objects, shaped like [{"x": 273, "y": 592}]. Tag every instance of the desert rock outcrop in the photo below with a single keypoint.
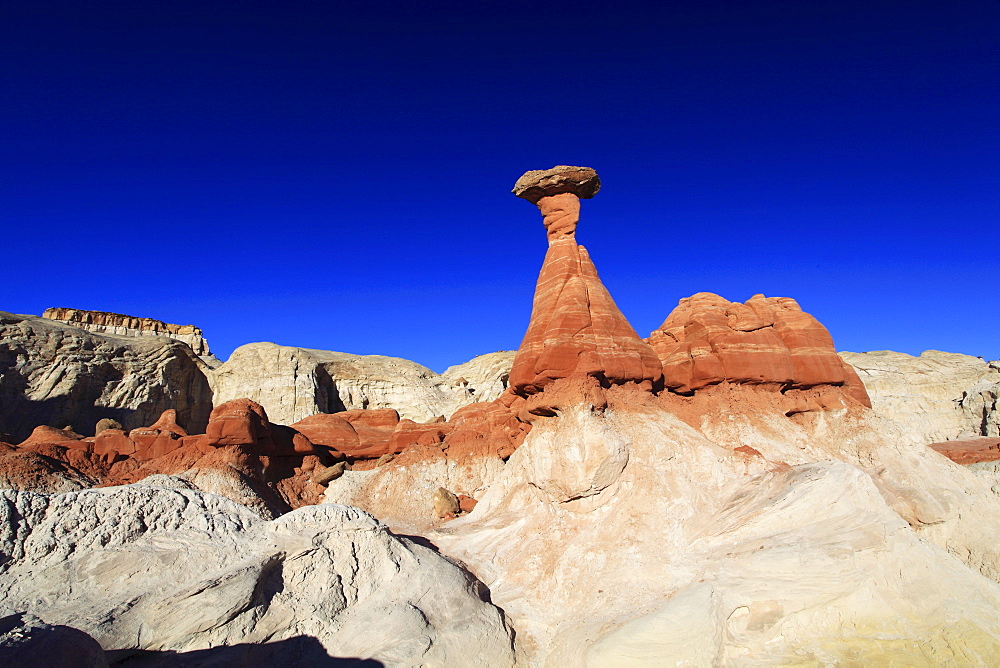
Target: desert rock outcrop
[
  {"x": 144, "y": 569},
  {"x": 936, "y": 396},
  {"x": 970, "y": 450},
  {"x": 294, "y": 383},
  {"x": 243, "y": 456},
  {"x": 624, "y": 536},
  {"x": 55, "y": 374},
  {"x": 101, "y": 322},
  {"x": 767, "y": 341}
]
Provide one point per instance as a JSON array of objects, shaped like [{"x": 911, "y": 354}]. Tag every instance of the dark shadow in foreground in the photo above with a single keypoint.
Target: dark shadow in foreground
[{"x": 297, "y": 651}]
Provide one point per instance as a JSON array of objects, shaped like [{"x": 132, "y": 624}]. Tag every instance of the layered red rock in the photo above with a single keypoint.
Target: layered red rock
[
  {"x": 240, "y": 450},
  {"x": 576, "y": 329},
  {"x": 331, "y": 431},
  {"x": 374, "y": 429},
  {"x": 767, "y": 341}
]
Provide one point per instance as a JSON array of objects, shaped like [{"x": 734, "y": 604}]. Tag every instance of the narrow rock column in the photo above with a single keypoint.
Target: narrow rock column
[{"x": 557, "y": 193}]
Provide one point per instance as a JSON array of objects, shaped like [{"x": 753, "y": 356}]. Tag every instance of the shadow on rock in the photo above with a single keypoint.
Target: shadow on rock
[{"x": 297, "y": 651}]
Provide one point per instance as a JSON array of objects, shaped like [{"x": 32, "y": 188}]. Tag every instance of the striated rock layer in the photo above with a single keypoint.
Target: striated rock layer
[
  {"x": 180, "y": 577},
  {"x": 101, "y": 322},
  {"x": 767, "y": 341},
  {"x": 54, "y": 374}
]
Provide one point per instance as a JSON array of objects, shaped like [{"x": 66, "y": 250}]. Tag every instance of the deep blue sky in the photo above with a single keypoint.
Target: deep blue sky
[{"x": 336, "y": 175}]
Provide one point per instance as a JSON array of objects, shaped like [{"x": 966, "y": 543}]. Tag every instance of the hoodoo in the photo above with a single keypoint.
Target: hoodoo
[{"x": 576, "y": 329}]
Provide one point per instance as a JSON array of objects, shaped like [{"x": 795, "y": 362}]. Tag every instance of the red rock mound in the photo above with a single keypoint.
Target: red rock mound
[
  {"x": 767, "y": 341},
  {"x": 331, "y": 431}
]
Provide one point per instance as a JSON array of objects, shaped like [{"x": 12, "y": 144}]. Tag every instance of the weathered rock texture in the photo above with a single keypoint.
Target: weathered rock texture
[
  {"x": 101, "y": 322},
  {"x": 576, "y": 329},
  {"x": 702, "y": 526},
  {"x": 934, "y": 397},
  {"x": 767, "y": 341},
  {"x": 145, "y": 569},
  {"x": 294, "y": 383},
  {"x": 577, "y": 344},
  {"x": 54, "y": 374},
  {"x": 626, "y": 536}
]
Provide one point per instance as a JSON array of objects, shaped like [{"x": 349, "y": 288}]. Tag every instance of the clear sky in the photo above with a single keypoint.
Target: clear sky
[{"x": 336, "y": 175}]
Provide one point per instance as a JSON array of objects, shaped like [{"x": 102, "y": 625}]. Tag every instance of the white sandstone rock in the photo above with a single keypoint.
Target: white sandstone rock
[
  {"x": 294, "y": 383},
  {"x": 55, "y": 373},
  {"x": 144, "y": 568},
  {"x": 694, "y": 555},
  {"x": 935, "y": 397}
]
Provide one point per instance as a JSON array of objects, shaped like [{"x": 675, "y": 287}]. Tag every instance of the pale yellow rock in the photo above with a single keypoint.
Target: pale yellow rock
[{"x": 445, "y": 502}]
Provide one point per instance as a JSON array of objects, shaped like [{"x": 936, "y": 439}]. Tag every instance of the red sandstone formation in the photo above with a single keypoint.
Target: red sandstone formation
[
  {"x": 160, "y": 438},
  {"x": 768, "y": 342},
  {"x": 331, "y": 431},
  {"x": 237, "y": 422},
  {"x": 578, "y": 348},
  {"x": 374, "y": 428},
  {"x": 241, "y": 445},
  {"x": 43, "y": 435},
  {"x": 970, "y": 450},
  {"x": 576, "y": 329}
]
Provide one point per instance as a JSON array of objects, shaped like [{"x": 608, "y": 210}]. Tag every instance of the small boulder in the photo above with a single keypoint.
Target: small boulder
[
  {"x": 446, "y": 503},
  {"x": 106, "y": 423},
  {"x": 324, "y": 476}
]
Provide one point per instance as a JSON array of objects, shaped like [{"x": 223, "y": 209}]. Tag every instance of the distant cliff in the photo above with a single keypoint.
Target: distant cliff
[{"x": 101, "y": 322}]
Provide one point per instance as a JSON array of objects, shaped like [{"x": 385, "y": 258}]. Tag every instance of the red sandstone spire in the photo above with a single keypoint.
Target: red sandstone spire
[{"x": 576, "y": 328}]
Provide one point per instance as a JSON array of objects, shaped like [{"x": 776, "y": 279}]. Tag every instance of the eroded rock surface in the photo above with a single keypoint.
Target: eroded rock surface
[
  {"x": 935, "y": 397},
  {"x": 294, "y": 383},
  {"x": 243, "y": 456},
  {"x": 55, "y": 374},
  {"x": 101, "y": 322},
  {"x": 576, "y": 329},
  {"x": 767, "y": 341},
  {"x": 627, "y": 536},
  {"x": 145, "y": 569}
]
